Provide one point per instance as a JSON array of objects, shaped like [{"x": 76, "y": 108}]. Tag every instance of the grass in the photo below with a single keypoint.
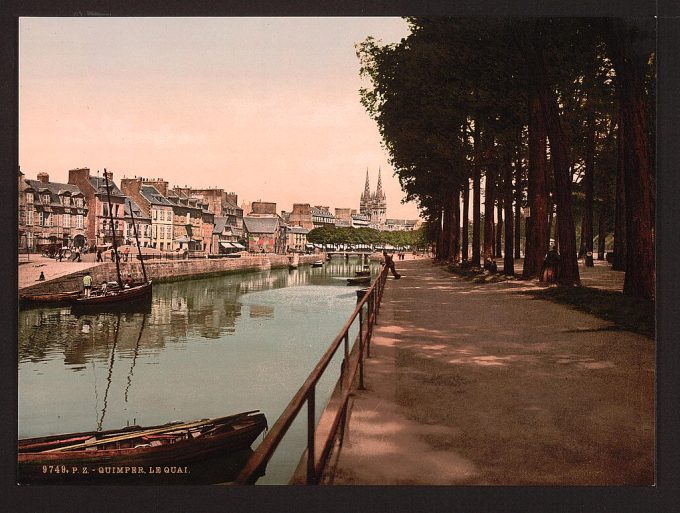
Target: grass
[{"x": 629, "y": 313}]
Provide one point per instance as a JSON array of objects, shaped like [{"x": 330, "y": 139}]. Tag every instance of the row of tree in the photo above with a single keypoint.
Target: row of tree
[
  {"x": 550, "y": 116},
  {"x": 356, "y": 236}
]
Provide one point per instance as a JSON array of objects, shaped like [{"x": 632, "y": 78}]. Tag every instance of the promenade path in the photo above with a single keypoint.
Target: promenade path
[
  {"x": 474, "y": 384},
  {"x": 29, "y": 271}
]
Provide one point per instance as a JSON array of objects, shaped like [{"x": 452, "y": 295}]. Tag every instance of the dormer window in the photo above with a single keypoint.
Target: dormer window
[
  {"x": 45, "y": 198},
  {"x": 29, "y": 197}
]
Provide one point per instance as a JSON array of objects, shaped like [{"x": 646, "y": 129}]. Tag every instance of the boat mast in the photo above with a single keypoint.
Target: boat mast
[
  {"x": 113, "y": 230},
  {"x": 139, "y": 249}
]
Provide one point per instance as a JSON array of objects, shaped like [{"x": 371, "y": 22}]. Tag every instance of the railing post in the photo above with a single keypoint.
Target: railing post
[
  {"x": 361, "y": 349},
  {"x": 311, "y": 469}
]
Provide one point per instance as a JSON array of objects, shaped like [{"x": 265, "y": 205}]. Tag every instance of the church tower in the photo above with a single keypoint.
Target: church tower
[
  {"x": 365, "y": 202},
  {"x": 374, "y": 205},
  {"x": 379, "y": 207}
]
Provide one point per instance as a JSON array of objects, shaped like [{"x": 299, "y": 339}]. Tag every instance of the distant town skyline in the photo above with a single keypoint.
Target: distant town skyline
[{"x": 265, "y": 107}]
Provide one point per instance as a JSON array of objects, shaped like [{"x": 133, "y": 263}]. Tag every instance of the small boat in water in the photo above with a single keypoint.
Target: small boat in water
[
  {"x": 54, "y": 298},
  {"x": 317, "y": 263},
  {"x": 120, "y": 294},
  {"x": 359, "y": 280},
  {"x": 363, "y": 273},
  {"x": 98, "y": 454}
]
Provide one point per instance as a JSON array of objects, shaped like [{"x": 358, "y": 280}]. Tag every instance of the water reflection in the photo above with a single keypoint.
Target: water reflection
[{"x": 207, "y": 348}]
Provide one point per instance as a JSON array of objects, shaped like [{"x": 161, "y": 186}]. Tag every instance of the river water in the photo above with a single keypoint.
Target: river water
[{"x": 208, "y": 348}]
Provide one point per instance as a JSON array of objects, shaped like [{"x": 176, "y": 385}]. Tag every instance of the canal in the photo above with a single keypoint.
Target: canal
[{"x": 208, "y": 348}]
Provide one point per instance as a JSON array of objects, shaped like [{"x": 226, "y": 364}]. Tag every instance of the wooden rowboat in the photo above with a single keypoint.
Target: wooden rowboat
[
  {"x": 318, "y": 263},
  {"x": 115, "y": 296},
  {"x": 359, "y": 280},
  {"x": 57, "y": 297},
  {"x": 168, "y": 448}
]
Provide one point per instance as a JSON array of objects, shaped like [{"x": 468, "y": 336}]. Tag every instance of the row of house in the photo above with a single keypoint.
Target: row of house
[{"x": 199, "y": 221}]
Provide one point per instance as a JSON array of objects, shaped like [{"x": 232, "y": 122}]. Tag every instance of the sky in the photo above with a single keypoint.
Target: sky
[{"x": 265, "y": 107}]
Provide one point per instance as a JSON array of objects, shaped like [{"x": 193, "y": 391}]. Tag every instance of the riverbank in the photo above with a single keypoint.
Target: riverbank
[
  {"x": 64, "y": 277},
  {"x": 473, "y": 384}
]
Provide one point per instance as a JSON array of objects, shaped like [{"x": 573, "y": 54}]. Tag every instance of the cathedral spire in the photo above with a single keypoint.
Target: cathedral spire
[
  {"x": 378, "y": 191},
  {"x": 367, "y": 189}
]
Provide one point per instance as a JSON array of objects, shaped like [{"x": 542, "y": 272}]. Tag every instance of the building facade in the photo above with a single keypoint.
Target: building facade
[
  {"x": 301, "y": 216},
  {"x": 51, "y": 213},
  {"x": 142, "y": 224},
  {"x": 296, "y": 238},
  {"x": 149, "y": 195},
  {"x": 99, "y": 231},
  {"x": 265, "y": 234},
  {"x": 374, "y": 205},
  {"x": 321, "y": 216}
]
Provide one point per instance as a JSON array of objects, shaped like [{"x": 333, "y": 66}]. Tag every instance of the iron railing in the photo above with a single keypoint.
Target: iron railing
[{"x": 366, "y": 311}]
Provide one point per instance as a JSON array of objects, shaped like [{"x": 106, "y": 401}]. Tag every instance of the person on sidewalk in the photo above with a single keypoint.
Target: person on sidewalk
[
  {"x": 87, "y": 284},
  {"x": 99, "y": 255},
  {"x": 41, "y": 277},
  {"x": 389, "y": 262}
]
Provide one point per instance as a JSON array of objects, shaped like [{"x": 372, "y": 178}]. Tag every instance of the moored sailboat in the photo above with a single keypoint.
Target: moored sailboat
[{"x": 124, "y": 292}]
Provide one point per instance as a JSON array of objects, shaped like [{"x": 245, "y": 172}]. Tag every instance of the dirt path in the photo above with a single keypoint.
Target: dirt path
[{"x": 479, "y": 384}]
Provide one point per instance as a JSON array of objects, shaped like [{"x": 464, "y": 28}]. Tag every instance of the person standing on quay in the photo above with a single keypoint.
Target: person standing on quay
[{"x": 389, "y": 262}]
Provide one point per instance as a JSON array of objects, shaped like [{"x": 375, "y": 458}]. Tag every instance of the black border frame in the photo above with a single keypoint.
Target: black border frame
[{"x": 662, "y": 497}]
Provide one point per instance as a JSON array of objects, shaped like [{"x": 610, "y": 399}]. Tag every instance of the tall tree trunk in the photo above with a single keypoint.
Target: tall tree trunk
[
  {"x": 440, "y": 238},
  {"x": 518, "y": 202},
  {"x": 455, "y": 226},
  {"x": 508, "y": 259},
  {"x": 476, "y": 197},
  {"x": 601, "y": 234},
  {"x": 538, "y": 229},
  {"x": 466, "y": 205},
  {"x": 488, "y": 214},
  {"x": 566, "y": 235},
  {"x": 619, "y": 262},
  {"x": 499, "y": 224},
  {"x": 629, "y": 64},
  {"x": 446, "y": 228},
  {"x": 588, "y": 184}
]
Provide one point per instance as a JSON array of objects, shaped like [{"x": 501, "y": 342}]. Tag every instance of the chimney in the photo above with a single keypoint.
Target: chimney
[
  {"x": 110, "y": 175},
  {"x": 43, "y": 177},
  {"x": 130, "y": 185}
]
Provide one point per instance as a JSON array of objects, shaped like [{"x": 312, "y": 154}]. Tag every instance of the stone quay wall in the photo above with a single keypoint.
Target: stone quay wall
[{"x": 166, "y": 270}]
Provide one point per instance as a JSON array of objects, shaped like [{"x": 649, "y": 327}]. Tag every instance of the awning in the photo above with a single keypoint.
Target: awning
[
  {"x": 226, "y": 245},
  {"x": 237, "y": 245},
  {"x": 183, "y": 239},
  {"x": 309, "y": 246}
]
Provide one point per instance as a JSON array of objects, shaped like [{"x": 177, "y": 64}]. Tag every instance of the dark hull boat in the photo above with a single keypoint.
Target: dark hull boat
[
  {"x": 136, "y": 292},
  {"x": 154, "y": 452},
  {"x": 360, "y": 280},
  {"x": 55, "y": 298},
  {"x": 363, "y": 273}
]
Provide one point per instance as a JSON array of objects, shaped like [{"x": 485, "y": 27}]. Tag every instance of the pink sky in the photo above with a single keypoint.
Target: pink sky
[{"x": 265, "y": 107}]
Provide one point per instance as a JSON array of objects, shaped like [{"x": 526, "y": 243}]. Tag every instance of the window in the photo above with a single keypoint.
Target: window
[
  {"x": 162, "y": 215},
  {"x": 79, "y": 202},
  {"x": 46, "y": 198},
  {"x": 29, "y": 240},
  {"x": 67, "y": 220},
  {"x": 48, "y": 219},
  {"x": 105, "y": 210},
  {"x": 153, "y": 232},
  {"x": 29, "y": 217},
  {"x": 29, "y": 197},
  {"x": 41, "y": 218},
  {"x": 79, "y": 221}
]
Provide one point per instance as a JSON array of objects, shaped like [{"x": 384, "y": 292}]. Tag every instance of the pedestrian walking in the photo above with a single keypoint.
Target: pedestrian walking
[
  {"x": 87, "y": 284},
  {"x": 389, "y": 262},
  {"x": 77, "y": 255},
  {"x": 126, "y": 253},
  {"x": 99, "y": 255}
]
